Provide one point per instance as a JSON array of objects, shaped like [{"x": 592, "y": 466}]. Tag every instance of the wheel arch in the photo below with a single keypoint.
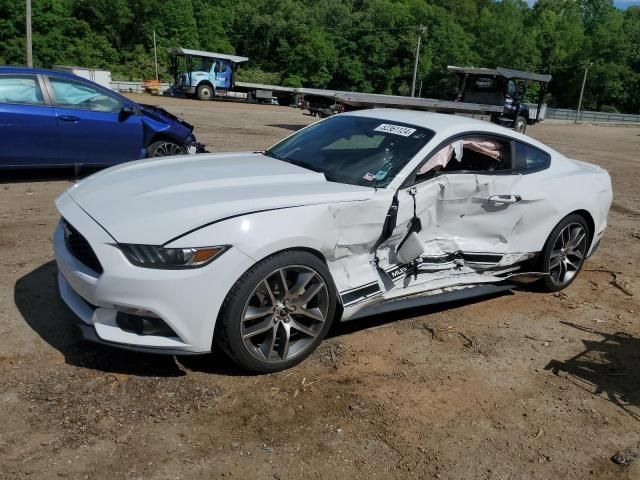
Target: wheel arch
[
  {"x": 585, "y": 214},
  {"x": 205, "y": 82},
  {"x": 589, "y": 219},
  {"x": 316, "y": 253},
  {"x": 163, "y": 136},
  {"x": 313, "y": 251}
]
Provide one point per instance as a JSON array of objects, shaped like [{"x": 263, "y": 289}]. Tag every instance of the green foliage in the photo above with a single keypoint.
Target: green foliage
[
  {"x": 361, "y": 45},
  {"x": 609, "y": 109},
  {"x": 257, "y": 75}
]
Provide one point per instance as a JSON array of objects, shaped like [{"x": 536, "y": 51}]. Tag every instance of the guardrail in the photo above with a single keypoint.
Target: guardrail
[
  {"x": 588, "y": 116},
  {"x": 143, "y": 87},
  {"x": 134, "y": 87}
]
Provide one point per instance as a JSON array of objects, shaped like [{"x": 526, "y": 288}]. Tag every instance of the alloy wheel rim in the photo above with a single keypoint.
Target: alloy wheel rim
[
  {"x": 168, "y": 149},
  {"x": 284, "y": 314},
  {"x": 567, "y": 254}
]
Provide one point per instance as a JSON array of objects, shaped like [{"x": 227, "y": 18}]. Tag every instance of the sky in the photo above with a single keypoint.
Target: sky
[
  {"x": 626, "y": 3},
  {"x": 623, "y": 4}
]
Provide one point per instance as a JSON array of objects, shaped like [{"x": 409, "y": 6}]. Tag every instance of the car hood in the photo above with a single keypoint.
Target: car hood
[
  {"x": 161, "y": 115},
  {"x": 156, "y": 200}
]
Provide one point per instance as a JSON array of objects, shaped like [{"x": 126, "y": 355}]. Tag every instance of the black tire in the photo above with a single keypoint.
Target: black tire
[
  {"x": 551, "y": 283},
  {"x": 165, "y": 148},
  {"x": 520, "y": 125},
  {"x": 229, "y": 327},
  {"x": 205, "y": 92}
]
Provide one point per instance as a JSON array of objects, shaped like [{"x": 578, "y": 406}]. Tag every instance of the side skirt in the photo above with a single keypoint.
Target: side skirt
[{"x": 434, "y": 299}]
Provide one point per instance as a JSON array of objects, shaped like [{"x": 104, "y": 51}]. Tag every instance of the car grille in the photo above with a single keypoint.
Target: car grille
[{"x": 80, "y": 248}]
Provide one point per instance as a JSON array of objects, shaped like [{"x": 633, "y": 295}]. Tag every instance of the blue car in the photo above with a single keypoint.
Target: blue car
[{"x": 50, "y": 119}]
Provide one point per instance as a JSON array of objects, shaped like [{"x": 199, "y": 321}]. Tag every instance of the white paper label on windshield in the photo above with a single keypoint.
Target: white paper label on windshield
[{"x": 395, "y": 129}]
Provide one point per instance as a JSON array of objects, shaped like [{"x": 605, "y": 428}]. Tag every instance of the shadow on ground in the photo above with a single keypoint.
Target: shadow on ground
[
  {"x": 608, "y": 367},
  {"x": 46, "y": 174},
  {"x": 36, "y": 296}
]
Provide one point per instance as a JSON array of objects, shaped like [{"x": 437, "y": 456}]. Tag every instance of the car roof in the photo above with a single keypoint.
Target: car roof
[
  {"x": 44, "y": 71},
  {"x": 445, "y": 124},
  {"x": 420, "y": 118},
  {"x": 35, "y": 71}
]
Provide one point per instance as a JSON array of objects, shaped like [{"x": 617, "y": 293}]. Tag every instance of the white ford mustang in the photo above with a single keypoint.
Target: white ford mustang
[{"x": 355, "y": 215}]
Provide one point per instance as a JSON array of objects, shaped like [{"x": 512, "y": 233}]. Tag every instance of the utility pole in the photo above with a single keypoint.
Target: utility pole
[
  {"x": 584, "y": 81},
  {"x": 155, "y": 54},
  {"x": 421, "y": 30},
  {"x": 29, "y": 48}
]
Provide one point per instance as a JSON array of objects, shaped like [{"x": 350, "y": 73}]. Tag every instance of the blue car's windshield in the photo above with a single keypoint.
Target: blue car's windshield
[{"x": 355, "y": 150}]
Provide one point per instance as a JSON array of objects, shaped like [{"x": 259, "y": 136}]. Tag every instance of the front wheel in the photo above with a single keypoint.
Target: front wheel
[
  {"x": 564, "y": 253},
  {"x": 520, "y": 125},
  {"x": 277, "y": 312},
  {"x": 165, "y": 148},
  {"x": 204, "y": 92}
]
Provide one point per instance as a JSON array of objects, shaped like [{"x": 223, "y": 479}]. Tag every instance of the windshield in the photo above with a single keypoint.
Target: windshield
[{"x": 356, "y": 150}]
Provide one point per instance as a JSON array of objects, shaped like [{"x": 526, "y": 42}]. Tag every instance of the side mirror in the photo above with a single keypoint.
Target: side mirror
[
  {"x": 410, "y": 249},
  {"x": 126, "y": 112}
]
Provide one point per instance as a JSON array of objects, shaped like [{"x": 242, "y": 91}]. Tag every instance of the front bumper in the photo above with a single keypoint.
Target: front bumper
[
  {"x": 195, "y": 147},
  {"x": 188, "y": 300}
]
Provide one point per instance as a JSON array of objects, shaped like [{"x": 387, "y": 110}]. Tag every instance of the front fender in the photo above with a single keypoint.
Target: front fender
[
  {"x": 158, "y": 122},
  {"x": 343, "y": 233}
]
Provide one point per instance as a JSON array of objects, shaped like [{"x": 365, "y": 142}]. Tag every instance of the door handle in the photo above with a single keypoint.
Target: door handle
[
  {"x": 504, "y": 199},
  {"x": 69, "y": 118}
]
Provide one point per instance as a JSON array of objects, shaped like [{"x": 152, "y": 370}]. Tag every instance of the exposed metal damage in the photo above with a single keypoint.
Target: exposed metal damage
[{"x": 451, "y": 255}]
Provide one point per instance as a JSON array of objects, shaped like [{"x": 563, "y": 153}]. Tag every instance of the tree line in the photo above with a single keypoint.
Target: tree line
[{"x": 363, "y": 45}]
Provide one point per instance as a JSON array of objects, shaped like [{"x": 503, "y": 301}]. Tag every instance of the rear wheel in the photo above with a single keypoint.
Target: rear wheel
[
  {"x": 564, "y": 253},
  {"x": 277, "y": 312},
  {"x": 205, "y": 92}
]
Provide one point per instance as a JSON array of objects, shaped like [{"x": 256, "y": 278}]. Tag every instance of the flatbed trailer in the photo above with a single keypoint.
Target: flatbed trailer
[
  {"x": 504, "y": 99},
  {"x": 373, "y": 100},
  {"x": 498, "y": 93}
]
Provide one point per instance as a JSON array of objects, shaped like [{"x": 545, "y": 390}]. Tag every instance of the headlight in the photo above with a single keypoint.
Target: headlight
[{"x": 156, "y": 256}]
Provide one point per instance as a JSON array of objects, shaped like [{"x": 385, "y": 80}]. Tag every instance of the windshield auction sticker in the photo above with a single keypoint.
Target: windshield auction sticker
[{"x": 395, "y": 129}]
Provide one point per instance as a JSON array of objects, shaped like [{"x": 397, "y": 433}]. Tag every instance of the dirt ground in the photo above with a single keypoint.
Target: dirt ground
[{"x": 516, "y": 386}]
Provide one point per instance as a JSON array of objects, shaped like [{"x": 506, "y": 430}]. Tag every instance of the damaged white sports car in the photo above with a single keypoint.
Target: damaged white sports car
[{"x": 355, "y": 215}]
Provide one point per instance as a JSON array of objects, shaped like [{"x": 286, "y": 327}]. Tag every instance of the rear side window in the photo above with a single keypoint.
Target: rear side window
[
  {"x": 72, "y": 94},
  {"x": 23, "y": 89},
  {"x": 531, "y": 158}
]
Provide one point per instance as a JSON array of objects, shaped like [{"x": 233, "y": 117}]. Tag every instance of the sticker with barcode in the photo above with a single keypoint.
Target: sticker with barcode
[{"x": 395, "y": 129}]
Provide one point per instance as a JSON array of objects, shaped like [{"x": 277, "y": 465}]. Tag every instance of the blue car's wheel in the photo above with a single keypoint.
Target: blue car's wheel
[{"x": 165, "y": 148}]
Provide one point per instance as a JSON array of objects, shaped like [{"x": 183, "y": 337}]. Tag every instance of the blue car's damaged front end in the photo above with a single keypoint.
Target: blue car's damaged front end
[{"x": 159, "y": 123}]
